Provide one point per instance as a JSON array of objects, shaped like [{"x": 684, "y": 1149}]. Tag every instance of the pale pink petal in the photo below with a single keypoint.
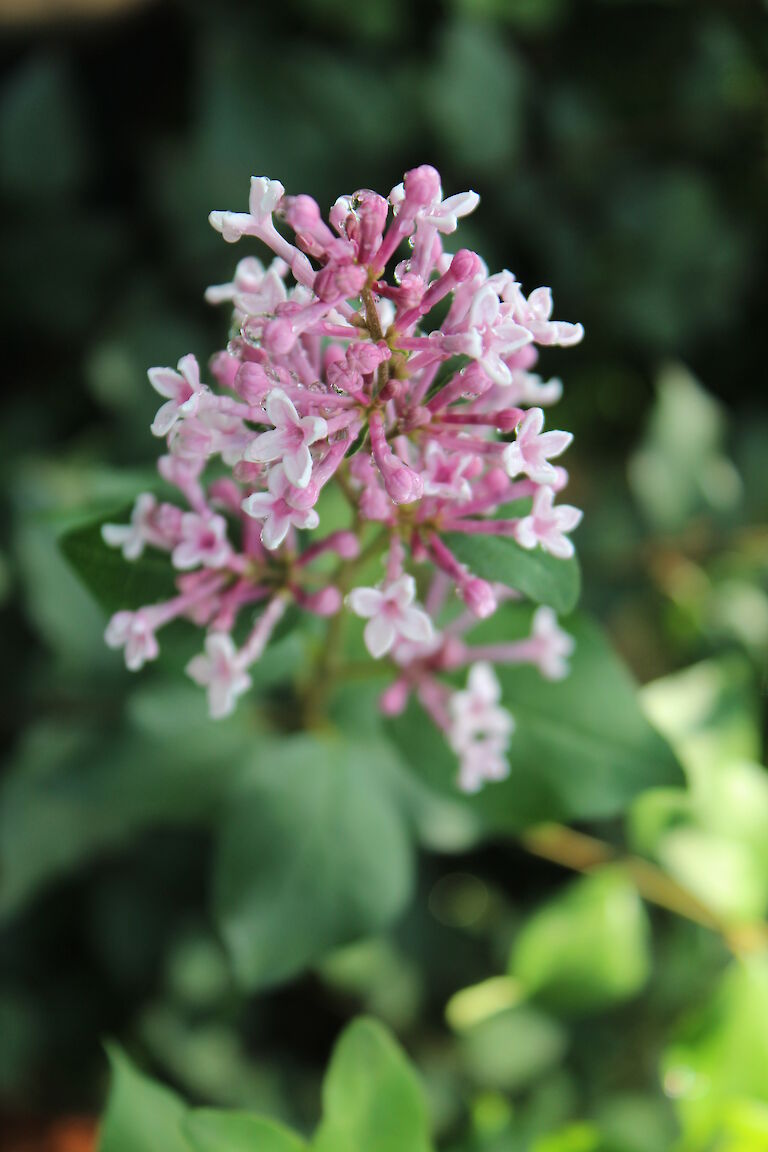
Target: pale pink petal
[
  {"x": 165, "y": 418},
  {"x": 165, "y": 381},
  {"x": 266, "y": 447},
  {"x": 298, "y": 466},
  {"x": 275, "y": 530},
  {"x": 281, "y": 409},
  {"x": 365, "y": 602},
  {"x": 379, "y": 635},
  {"x": 416, "y": 625}
]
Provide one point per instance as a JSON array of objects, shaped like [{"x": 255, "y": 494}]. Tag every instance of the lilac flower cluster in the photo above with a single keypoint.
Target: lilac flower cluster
[{"x": 334, "y": 374}]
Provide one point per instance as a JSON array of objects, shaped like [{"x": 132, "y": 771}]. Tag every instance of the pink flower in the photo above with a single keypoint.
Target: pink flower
[
  {"x": 422, "y": 194},
  {"x": 183, "y": 389},
  {"x": 135, "y": 633},
  {"x": 534, "y": 314},
  {"x": 491, "y": 335},
  {"x": 221, "y": 671},
  {"x": 445, "y": 473},
  {"x": 280, "y": 507},
  {"x": 547, "y": 525},
  {"x": 532, "y": 449},
  {"x": 289, "y": 440},
  {"x": 265, "y": 196},
  {"x": 550, "y": 645},
  {"x": 475, "y": 712},
  {"x": 203, "y": 542},
  {"x": 390, "y": 613},
  {"x": 132, "y": 538},
  {"x": 483, "y": 761}
]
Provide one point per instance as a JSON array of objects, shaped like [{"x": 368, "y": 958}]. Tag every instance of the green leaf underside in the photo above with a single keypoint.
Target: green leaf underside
[
  {"x": 141, "y": 1115},
  {"x": 208, "y": 1130},
  {"x": 581, "y": 749},
  {"x": 539, "y": 576},
  {"x": 372, "y": 1099},
  {"x": 313, "y": 853},
  {"x": 115, "y": 582}
]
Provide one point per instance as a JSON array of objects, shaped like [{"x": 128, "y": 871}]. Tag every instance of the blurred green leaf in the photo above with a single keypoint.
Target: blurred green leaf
[
  {"x": 141, "y": 1114},
  {"x": 588, "y": 948},
  {"x": 372, "y": 1099},
  {"x": 717, "y": 1066},
  {"x": 534, "y": 572},
  {"x": 513, "y": 1048},
  {"x": 680, "y": 468},
  {"x": 43, "y": 148},
  {"x": 115, "y": 582},
  {"x": 312, "y": 854},
  {"x": 474, "y": 95},
  {"x": 210, "y": 1131},
  {"x": 581, "y": 748}
]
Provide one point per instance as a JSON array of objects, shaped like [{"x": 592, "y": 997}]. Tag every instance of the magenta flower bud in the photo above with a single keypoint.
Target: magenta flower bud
[
  {"x": 302, "y": 213},
  {"x": 246, "y": 472},
  {"x": 279, "y": 336},
  {"x": 339, "y": 281},
  {"x": 508, "y": 419},
  {"x": 403, "y": 485},
  {"x": 393, "y": 699},
  {"x": 478, "y": 596},
  {"x": 224, "y": 369},
  {"x": 346, "y": 545},
  {"x": 422, "y": 186},
  {"x": 411, "y": 290},
  {"x": 366, "y": 358},
  {"x": 465, "y": 265},
  {"x": 326, "y": 602},
  {"x": 252, "y": 383}
]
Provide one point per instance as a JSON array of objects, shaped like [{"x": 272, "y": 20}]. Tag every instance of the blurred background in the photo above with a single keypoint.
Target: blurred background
[{"x": 619, "y": 148}]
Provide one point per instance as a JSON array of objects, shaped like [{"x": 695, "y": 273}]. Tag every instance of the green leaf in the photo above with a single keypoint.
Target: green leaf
[
  {"x": 716, "y": 1069},
  {"x": 141, "y": 1115},
  {"x": 513, "y": 1048},
  {"x": 581, "y": 749},
  {"x": 212, "y": 1131},
  {"x": 539, "y": 576},
  {"x": 117, "y": 583},
  {"x": 588, "y": 947},
  {"x": 372, "y": 1099},
  {"x": 74, "y": 791},
  {"x": 313, "y": 853}
]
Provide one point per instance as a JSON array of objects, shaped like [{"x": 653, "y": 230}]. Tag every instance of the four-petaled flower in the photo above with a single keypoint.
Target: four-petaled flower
[
  {"x": 532, "y": 449},
  {"x": 534, "y": 314},
  {"x": 132, "y": 538},
  {"x": 133, "y": 632},
  {"x": 550, "y": 645},
  {"x": 289, "y": 440},
  {"x": 390, "y": 613},
  {"x": 220, "y": 670},
  {"x": 184, "y": 392},
  {"x": 492, "y": 335},
  {"x": 265, "y": 195},
  {"x": 203, "y": 541},
  {"x": 480, "y": 729},
  {"x": 547, "y": 525},
  {"x": 280, "y": 507}
]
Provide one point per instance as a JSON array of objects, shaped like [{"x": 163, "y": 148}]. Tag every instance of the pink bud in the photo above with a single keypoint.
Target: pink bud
[
  {"x": 465, "y": 265},
  {"x": 393, "y": 699},
  {"x": 403, "y": 485},
  {"x": 326, "y": 602},
  {"x": 346, "y": 545},
  {"x": 279, "y": 336},
  {"x": 478, "y": 596},
  {"x": 301, "y": 212},
  {"x": 224, "y": 368},
  {"x": 339, "y": 281},
  {"x": 422, "y": 186},
  {"x": 508, "y": 419},
  {"x": 253, "y": 383}
]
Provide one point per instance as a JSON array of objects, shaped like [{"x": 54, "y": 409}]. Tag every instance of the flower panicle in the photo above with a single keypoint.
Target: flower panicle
[{"x": 335, "y": 373}]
